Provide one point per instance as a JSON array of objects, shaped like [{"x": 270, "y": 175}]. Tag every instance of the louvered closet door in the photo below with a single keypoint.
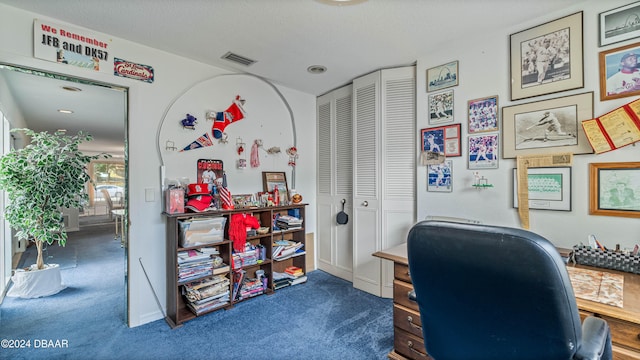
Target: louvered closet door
[
  {"x": 366, "y": 180},
  {"x": 398, "y": 201},
  {"x": 384, "y": 172},
  {"x": 335, "y": 177}
]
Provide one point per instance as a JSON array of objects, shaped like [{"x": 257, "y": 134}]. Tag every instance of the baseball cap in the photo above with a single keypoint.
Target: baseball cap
[
  {"x": 197, "y": 189},
  {"x": 199, "y": 203},
  {"x": 625, "y": 56}
]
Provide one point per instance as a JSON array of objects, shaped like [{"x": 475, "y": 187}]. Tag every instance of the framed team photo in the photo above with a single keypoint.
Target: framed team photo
[
  {"x": 619, "y": 24},
  {"x": 546, "y": 127},
  {"x": 483, "y": 114},
  {"x": 442, "y": 76},
  {"x": 439, "y": 177},
  {"x": 547, "y": 58},
  {"x": 441, "y": 107},
  {"x": 619, "y": 74},
  {"x": 549, "y": 188},
  {"x": 483, "y": 152}
]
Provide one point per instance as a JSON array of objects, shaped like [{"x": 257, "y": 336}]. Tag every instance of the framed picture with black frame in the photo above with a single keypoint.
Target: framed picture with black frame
[{"x": 547, "y": 58}]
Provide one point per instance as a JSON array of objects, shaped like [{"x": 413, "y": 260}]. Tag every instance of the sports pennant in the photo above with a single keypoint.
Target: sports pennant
[{"x": 200, "y": 142}]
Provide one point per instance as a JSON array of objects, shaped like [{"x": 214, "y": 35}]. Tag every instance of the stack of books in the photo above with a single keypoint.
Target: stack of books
[
  {"x": 244, "y": 287},
  {"x": 207, "y": 294},
  {"x": 193, "y": 264},
  {"x": 292, "y": 275},
  {"x": 250, "y": 256},
  {"x": 288, "y": 222},
  {"x": 284, "y": 249}
]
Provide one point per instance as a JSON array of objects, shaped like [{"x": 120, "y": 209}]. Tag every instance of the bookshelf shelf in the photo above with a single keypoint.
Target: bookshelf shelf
[{"x": 179, "y": 308}]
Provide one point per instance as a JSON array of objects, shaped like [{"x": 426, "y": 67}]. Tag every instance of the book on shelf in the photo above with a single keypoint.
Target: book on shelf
[
  {"x": 284, "y": 249},
  {"x": 221, "y": 269},
  {"x": 615, "y": 129},
  {"x": 298, "y": 280},
  {"x": 294, "y": 270}
]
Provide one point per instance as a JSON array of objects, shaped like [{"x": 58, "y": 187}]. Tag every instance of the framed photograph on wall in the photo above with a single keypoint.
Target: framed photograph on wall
[
  {"x": 614, "y": 189},
  {"x": 619, "y": 24},
  {"x": 619, "y": 75},
  {"x": 483, "y": 151},
  {"x": 441, "y": 107},
  {"x": 442, "y": 76},
  {"x": 546, "y": 127},
  {"x": 483, "y": 114},
  {"x": 443, "y": 139},
  {"x": 549, "y": 188},
  {"x": 547, "y": 58},
  {"x": 439, "y": 177},
  {"x": 272, "y": 179}
]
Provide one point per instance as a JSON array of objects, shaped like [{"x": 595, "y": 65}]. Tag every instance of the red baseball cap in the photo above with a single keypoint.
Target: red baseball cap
[
  {"x": 199, "y": 203},
  {"x": 197, "y": 189}
]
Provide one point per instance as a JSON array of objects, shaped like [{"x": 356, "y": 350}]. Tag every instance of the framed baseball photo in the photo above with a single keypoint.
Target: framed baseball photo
[
  {"x": 548, "y": 126},
  {"x": 441, "y": 107},
  {"x": 439, "y": 177},
  {"x": 614, "y": 189},
  {"x": 619, "y": 74},
  {"x": 483, "y": 152},
  {"x": 443, "y": 140},
  {"x": 547, "y": 58},
  {"x": 483, "y": 114}
]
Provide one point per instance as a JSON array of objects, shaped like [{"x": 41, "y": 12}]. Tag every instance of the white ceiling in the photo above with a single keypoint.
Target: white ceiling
[{"x": 285, "y": 37}]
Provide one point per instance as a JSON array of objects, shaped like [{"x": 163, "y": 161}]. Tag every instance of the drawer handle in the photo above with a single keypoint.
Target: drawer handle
[
  {"x": 410, "y": 320},
  {"x": 410, "y": 345}
]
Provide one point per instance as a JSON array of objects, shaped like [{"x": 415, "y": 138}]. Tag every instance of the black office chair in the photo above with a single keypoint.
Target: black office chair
[{"x": 488, "y": 292}]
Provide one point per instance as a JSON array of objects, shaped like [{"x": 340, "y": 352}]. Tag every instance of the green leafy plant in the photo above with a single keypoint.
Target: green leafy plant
[{"x": 41, "y": 179}]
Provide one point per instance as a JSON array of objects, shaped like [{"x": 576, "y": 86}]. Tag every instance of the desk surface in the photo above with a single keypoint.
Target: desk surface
[{"x": 630, "y": 310}]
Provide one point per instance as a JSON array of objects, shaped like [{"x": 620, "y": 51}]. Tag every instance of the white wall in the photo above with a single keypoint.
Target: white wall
[
  {"x": 147, "y": 105},
  {"x": 484, "y": 71}
]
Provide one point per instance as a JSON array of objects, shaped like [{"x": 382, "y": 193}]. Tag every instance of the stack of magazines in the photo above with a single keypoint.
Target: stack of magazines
[
  {"x": 288, "y": 222},
  {"x": 207, "y": 294},
  {"x": 193, "y": 264}
]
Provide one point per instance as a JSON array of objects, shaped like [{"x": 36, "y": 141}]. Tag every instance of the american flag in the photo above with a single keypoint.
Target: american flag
[{"x": 225, "y": 194}]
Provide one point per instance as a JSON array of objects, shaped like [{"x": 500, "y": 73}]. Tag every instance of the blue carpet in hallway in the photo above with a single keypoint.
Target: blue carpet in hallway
[{"x": 326, "y": 318}]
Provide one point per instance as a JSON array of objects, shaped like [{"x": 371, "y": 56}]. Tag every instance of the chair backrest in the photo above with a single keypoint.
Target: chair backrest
[
  {"x": 489, "y": 292},
  {"x": 107, "y": 198}
]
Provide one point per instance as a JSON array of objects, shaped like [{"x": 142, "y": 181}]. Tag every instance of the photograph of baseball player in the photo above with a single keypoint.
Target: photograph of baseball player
[
  {"x": 619, "y": 73},
  {"x": 483, "y": 114},
  {"x": 441, "y": 107},
  {"x": 547, "y": 58},
  {"x": 545, "y": 128},
  {"x": 439, "y": 177},
  {"x": 483, "y": 152}
]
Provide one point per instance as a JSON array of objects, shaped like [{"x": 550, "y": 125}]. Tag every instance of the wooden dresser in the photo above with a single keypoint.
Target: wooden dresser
[{"x": 408, "y": 343}]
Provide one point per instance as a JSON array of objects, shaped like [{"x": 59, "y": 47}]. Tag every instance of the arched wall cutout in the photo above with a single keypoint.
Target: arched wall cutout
[{"x": 268, "y": 118}]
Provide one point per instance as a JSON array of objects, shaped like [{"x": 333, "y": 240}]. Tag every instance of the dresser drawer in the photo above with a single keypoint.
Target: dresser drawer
[
  {"x": 624, "y": 333},
  {"x": 401, "y": 272},
  {"x": 409, "y": 345},
  {"x": 407, "y": 320},
  {"x": 400, "y": 295}
]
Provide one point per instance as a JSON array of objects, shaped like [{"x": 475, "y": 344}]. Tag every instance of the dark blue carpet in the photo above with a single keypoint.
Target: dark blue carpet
[{"x": 326, "y": 318}]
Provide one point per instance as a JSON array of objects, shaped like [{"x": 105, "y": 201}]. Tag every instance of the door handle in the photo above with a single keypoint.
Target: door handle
[{"x": 365, "y": 203}]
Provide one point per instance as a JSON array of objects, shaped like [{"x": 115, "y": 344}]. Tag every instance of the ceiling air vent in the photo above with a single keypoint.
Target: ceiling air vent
[{"x": 238, "y": 59}]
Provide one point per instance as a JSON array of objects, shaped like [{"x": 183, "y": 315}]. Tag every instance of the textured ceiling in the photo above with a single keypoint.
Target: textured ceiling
[{"x": 285, "y": 37}]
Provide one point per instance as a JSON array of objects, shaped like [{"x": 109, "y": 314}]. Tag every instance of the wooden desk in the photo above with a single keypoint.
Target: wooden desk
[{"x": 408, "y": 343}]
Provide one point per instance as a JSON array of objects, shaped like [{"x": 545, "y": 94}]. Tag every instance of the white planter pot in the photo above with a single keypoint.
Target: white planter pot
[{"x": 34, "y": 283}]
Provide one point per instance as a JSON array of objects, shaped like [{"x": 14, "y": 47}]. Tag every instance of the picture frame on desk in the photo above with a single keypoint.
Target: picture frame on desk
[
  {"x": 277, "y": 178},
  {"x": 614, "y": 189},
  {"x": 547, "y": 126},
  {"x": 549, "y": 188},
  {"x": 559, "y": 43}
]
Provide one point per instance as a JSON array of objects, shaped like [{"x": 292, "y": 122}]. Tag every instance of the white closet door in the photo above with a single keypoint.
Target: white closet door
[
  {"x": 366, "y": 180},
  {"x": 398, "y": 163},
  {"x": 335, "y": 169}
]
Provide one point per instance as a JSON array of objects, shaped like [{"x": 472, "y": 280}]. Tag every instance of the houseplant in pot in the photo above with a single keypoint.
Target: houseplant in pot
[{"x": 41, "y": 179}]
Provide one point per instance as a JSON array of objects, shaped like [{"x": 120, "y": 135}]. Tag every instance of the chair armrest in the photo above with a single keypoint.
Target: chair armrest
[
  {"x": 412, "y": 295},
  {"x": 596, "y": 340}
]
